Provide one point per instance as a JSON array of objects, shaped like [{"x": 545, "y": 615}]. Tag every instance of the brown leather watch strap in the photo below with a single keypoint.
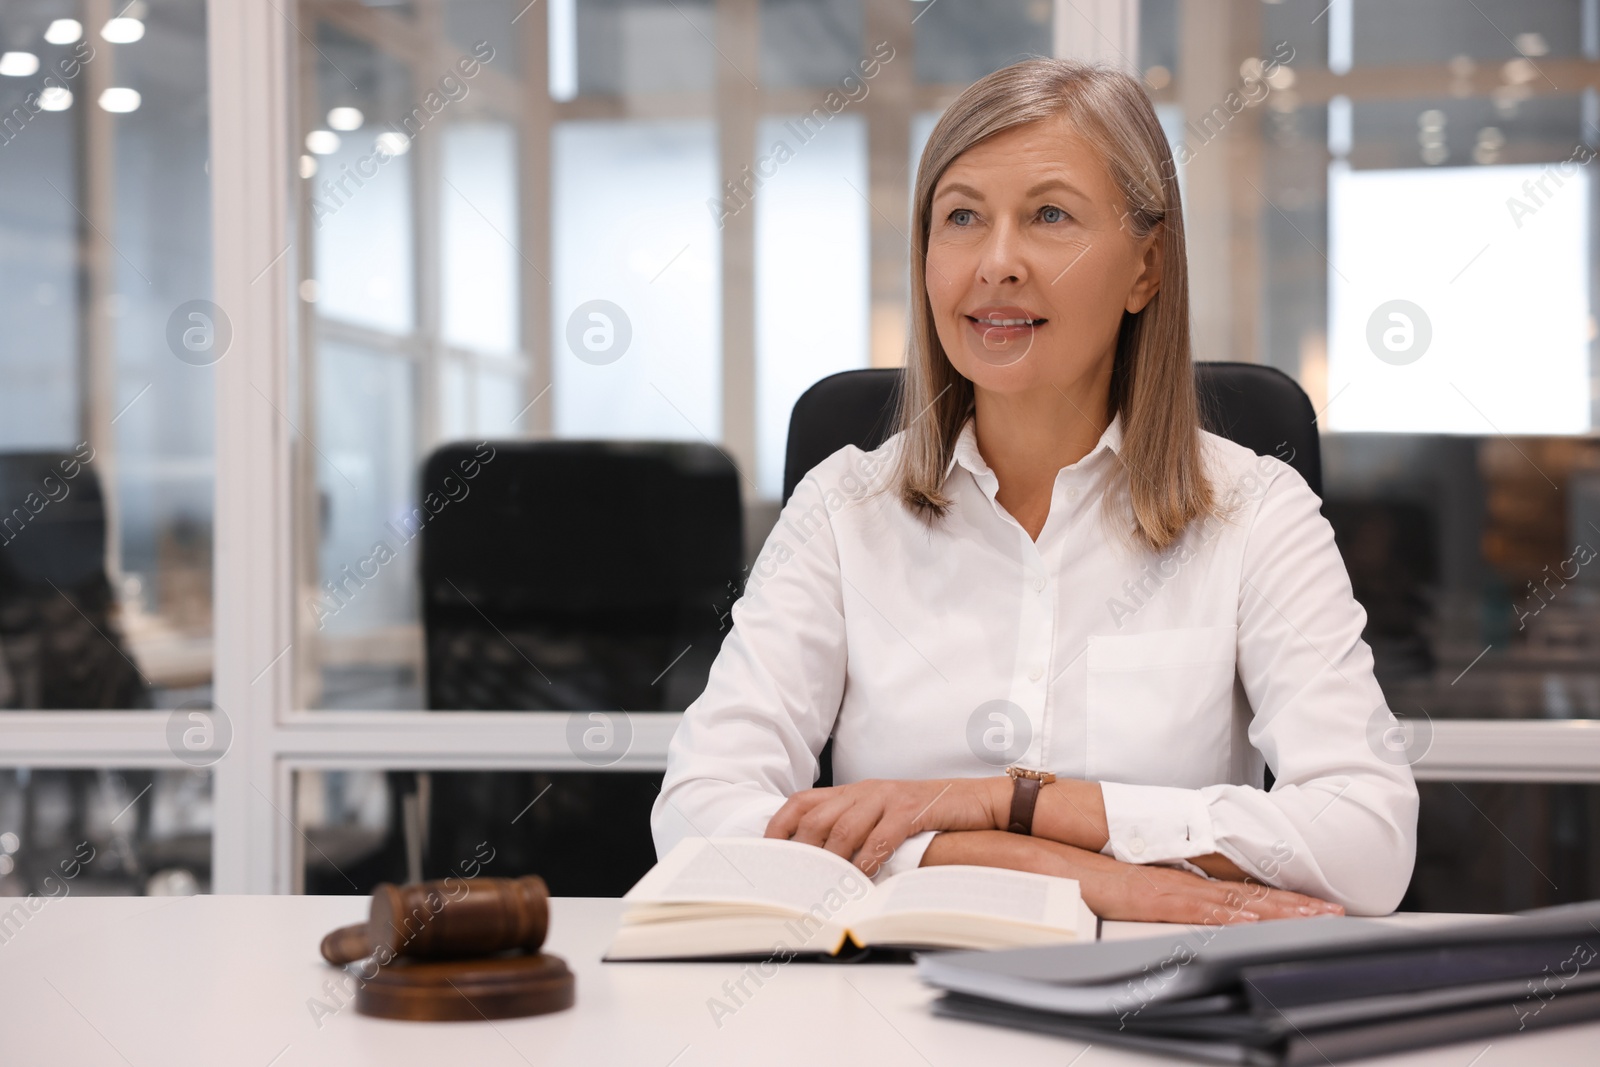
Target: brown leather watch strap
[{"x": 1024, "y": 795}]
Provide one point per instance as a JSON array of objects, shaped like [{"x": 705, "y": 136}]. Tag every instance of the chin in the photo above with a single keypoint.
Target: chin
[{"x": 1016, "y": 377}]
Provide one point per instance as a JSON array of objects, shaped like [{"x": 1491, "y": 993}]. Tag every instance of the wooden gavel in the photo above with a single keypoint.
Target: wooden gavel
[{"x": 454, "y": 918}]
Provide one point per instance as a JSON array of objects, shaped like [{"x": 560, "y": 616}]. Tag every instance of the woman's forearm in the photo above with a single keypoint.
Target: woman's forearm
[
  {"x": 1117, "y": 890},
  {"x": 1073, "y": 812},
  {"x": 1001, "y": 848},
  {"x": 1070, "y": 811}
]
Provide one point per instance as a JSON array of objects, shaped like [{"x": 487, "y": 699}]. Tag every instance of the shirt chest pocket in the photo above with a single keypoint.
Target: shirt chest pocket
[{"x": 1160, "y": 706}]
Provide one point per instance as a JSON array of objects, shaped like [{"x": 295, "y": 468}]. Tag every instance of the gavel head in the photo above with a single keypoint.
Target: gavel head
[{"x": 459, "y": 917}]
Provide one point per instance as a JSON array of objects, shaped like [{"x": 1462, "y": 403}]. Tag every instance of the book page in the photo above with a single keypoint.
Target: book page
[
  {"x": 796, "y": 877},
  {"x": 1015, "y": 896}
]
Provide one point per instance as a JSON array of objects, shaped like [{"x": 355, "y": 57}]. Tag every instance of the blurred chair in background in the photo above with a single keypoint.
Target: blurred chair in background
[
  {"x": 62, "y": 649},
  {"x": 1389, "y": 549},
  {"x": 60, "y": 646},
  {"x": 571, "y": 576}
]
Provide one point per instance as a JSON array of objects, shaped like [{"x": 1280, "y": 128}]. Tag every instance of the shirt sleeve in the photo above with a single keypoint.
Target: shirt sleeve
[
  {"x": 753, "y": 737},
  {"x": 1341, "y": 820},
  {"x": 908, "y": 857}
]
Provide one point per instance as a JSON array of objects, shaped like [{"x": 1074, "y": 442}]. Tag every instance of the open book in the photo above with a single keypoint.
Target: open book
[{"x": 751, "y": 896}]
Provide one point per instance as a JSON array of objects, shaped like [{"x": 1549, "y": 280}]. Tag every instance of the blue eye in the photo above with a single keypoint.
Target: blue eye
[
  {"x": 958, "y": 211},
  {"x": 1061, "y": 216}
]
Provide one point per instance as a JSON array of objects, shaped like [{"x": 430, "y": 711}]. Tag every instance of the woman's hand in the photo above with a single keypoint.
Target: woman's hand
[
  {"x": 866, "y": 821},
  {"x": 1117, "y": 890}
]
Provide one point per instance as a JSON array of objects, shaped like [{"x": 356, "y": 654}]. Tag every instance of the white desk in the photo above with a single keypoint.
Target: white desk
[{"x": 227, "y": 982}]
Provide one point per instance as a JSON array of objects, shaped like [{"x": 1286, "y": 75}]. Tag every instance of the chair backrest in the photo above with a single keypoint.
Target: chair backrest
[
  {"x": 53, "y": 528},
  {"x": 588, "y": 563},
  {"x": 59, "y": 639},
  {"x": 1256, "y": 406},
  {"x": 570, "y": 576}
]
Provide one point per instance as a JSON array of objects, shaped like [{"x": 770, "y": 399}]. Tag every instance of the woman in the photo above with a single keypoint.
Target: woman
[{"x": 1052, "y": 570}]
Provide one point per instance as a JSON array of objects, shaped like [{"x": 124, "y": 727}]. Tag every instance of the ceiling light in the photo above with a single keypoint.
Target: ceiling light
[
  {"x": 322, "y": 142},
  {"x": 63, "y": 31},
  {"x": 55, "y": 98},
  {"x": 392, "y": 143},
  {"x": 18, "y": 64},
  {"x": 119, "y": 100},
  {"x": 122, "y": 30},
  {"x": 346, "y": 118}
]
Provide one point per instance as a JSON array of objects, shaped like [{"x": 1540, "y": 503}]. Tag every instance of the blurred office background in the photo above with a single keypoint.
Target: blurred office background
[{"x": 468, "y": 180}]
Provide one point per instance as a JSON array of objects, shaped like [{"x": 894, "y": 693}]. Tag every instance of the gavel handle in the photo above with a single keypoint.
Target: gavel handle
[{"x": 347, "y": 944}]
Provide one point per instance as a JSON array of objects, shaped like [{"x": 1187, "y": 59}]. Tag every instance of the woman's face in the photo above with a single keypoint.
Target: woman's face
[{"x": 1030, "y": 264}]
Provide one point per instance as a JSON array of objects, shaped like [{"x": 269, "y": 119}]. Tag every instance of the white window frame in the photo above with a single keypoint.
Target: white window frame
[{"x": 254, "y": 844}]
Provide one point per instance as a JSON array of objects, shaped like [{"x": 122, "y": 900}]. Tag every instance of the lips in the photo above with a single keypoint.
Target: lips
[
  {"x": 1002, "y": 334},
  {"x": 1005, "y": 316}
]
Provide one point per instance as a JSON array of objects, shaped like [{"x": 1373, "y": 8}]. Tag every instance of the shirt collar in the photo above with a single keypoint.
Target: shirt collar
[{"x": 966, "y": 450}]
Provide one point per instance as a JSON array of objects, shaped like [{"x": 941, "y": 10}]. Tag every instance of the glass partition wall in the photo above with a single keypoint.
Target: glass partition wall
[
  {"x": 107, "y": 456},
  {"x": 1395, "y": 205},
  {"x": 642, "y": 223},
  {"x": 436, "y": 359},
  {"x": 726, "y": 183}
]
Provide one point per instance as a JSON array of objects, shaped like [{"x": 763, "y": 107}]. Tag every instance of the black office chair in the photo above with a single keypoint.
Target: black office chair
[
  {"x": 60, "y": 645},
  {"x": 1258, "y": 407},
  {"x": 58, "y": 638},
  {"x": 600, "y": 560},
  {"x": 572, "y": 576},
  {"x": 1389, "y": 547}
]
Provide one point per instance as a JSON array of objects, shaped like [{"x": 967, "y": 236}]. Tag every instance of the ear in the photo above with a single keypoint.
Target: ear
[{"x": 1148, "y": 281}]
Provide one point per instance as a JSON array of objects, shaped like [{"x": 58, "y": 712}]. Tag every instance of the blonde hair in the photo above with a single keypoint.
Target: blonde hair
[{"x": 1152, "y": 378}]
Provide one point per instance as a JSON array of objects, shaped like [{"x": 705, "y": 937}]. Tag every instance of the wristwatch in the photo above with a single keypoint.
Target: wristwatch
[{"x": 1025, "y": 786}]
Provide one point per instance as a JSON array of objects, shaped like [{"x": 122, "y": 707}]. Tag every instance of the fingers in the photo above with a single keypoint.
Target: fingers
[
  {"x": 852, "y": 827},
  {"x": 1163, "y": 894},
  {"x": 1234, "y": 902},
  {"x": 1285, "y": 904},
  {"x": 1270, "y": 903},
  {"x": 855, "y": 823},
  {"x": 878, "y": 845},
  {"x": 815, "y": 825},
  {"x": 783, "y": 824},
  {"x": 1187, "y": 898}
]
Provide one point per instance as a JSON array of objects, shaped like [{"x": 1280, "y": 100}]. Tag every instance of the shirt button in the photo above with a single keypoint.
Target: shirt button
[
  {"x": 1136, "y": 845},
  {"x": 1072, "y": 495},
  {"x": 1038, "y": 585},
  {"x": 1035, "y": 674}
]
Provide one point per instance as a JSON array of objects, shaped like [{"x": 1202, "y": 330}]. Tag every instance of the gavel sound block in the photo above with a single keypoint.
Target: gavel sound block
[{"x": 454, "y": 950}]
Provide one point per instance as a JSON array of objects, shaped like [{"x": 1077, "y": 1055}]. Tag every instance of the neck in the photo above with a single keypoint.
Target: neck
[{"x": 1028, "y": 436}]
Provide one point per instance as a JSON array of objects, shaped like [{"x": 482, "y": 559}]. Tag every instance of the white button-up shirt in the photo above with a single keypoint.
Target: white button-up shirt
[{"x": 1171, "y": 679}]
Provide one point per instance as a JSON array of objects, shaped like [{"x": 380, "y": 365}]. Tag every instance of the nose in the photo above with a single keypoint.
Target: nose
[{"x": 1000, "y": 260}]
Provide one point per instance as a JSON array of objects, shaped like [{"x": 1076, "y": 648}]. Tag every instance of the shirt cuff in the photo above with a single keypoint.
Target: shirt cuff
[
  {"x": 1156, "y": 824},
  {"x": 908, "y": 857}
]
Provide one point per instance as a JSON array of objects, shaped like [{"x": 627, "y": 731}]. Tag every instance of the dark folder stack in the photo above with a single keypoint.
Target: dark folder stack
[{"x": 1305, "y": 991}]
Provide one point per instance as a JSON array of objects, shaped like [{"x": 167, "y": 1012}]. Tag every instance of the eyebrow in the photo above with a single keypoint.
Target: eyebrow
[{"x": 1049, "y": 183}]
